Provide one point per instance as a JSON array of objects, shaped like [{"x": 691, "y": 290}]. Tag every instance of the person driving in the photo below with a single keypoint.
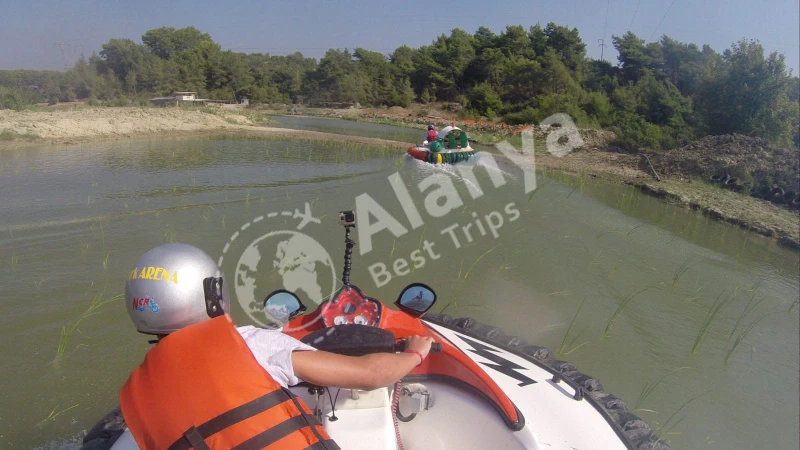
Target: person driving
[
  {"x": 432, "y": 134},
  {"x": 208, "y": 384}
]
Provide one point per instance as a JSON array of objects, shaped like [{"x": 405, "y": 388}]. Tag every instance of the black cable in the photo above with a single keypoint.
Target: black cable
[
  {"x": 333, "y": 404},
  {"x": 662, "y": 20},
  {"x": 630, "y": 27},
  {"x": 396, "y": 401}
]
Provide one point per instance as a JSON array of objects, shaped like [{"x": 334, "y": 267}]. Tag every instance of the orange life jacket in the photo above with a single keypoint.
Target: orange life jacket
[{"x": 201, "y": 387}]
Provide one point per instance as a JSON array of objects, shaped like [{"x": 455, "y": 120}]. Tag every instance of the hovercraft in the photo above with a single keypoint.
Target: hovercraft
[
  {"x": 478, "y": 388},
  {"x": 451, "y": 146}
]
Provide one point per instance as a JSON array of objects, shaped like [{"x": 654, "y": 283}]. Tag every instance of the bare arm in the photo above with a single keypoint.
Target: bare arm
[{"x": 358, "y": 372}]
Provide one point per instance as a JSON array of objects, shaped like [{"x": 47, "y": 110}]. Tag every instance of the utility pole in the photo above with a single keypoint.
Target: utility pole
[
  {"x": 602, "y": 46},
  {"x": 60, "y": 46},
  {"x": 73, "y": 50}
]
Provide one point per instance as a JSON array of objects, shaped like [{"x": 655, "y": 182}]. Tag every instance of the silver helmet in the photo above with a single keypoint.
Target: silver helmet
[{"x": 173, "y": 286}]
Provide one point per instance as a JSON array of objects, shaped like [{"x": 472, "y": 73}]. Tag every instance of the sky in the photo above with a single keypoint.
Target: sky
[{"x": 51, "y": 34}]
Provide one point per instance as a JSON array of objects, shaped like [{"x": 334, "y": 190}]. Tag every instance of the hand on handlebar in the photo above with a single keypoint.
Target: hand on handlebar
[{"x": 420, "y": 344}]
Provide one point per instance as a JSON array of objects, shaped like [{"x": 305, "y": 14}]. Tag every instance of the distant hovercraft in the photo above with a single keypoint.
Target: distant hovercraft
[{"x": 451, "y": 146}]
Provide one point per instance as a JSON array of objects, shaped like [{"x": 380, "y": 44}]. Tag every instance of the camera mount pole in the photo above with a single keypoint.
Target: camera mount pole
[{"x": 349, "y": 244}]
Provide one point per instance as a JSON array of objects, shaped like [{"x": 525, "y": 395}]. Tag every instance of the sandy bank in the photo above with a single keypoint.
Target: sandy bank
[{"x": 80, "y": 125}]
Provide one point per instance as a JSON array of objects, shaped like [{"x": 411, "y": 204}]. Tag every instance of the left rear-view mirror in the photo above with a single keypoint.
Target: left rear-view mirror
[
  {"x": 283, "y": 306},
  {"x": 416, "y": 299}
]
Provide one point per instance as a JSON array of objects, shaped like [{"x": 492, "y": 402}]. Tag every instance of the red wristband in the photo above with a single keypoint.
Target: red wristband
[{"x": 421, "y": 358}]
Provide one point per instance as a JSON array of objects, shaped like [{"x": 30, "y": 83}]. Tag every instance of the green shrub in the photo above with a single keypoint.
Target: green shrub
[
  {"x": 526, "y": 116},
  {"x": 469, "y": 114},
  {"x": 483, "y": 98},
  {"x": 633, "y": 133},
  {"x": 119, "y": 101},
  {"x": 16, "y": 99}
]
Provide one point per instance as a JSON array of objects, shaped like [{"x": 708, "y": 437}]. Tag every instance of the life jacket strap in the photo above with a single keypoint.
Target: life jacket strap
[
  {"x": 228, "y": 418},
  {"x": 288, "y": 427},
  {"x": 195, "y": 439}
]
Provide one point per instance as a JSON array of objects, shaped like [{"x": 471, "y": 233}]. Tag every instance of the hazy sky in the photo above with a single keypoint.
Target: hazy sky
[{"x": 31, "y": 29}]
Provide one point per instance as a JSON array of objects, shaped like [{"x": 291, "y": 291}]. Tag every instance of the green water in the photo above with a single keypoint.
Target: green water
[{"x": 74, "y": 220}]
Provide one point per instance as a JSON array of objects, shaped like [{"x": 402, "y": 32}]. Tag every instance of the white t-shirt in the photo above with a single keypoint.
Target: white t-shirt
[{"x": 273, "y": 350}]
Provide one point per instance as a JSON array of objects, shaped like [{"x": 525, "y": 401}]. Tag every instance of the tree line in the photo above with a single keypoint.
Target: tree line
[{"x": 660, "y": 94}]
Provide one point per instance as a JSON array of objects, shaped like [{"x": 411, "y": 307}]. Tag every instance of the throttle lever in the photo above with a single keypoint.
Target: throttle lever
[{"x": 400, "y": 346}]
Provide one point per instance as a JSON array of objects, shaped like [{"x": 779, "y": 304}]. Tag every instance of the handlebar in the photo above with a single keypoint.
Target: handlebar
[{"x": 400, "y": 346}]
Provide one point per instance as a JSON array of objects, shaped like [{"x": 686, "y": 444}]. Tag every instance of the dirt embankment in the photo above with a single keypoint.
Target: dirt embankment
[
  {"x": 684, "y": 176},
  {"x": 753, "y": 160},
  {"x": 65, "y": 125},
  {"x": 79, "y": 125}
]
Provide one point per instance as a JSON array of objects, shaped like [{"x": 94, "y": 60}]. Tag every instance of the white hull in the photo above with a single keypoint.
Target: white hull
[{"x": 459, "y": 417}]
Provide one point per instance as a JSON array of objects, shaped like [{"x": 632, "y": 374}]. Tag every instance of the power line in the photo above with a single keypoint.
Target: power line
[
  {"x": 605, "y": 26},
  {"x": 662, "y": 20},
  {"x": 634, "y": 14}
]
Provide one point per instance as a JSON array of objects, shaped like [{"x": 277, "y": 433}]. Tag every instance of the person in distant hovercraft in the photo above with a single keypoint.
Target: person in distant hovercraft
[
  {"x": 432, "y": 134},
  {"x": 207, "y": 384}
]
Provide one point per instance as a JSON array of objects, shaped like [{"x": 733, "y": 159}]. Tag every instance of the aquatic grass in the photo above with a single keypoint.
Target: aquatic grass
[
  {"x": 649, "y": 388},
  {"x": 106, "y": 252},
  {"x": 469, "y": 305},
  {"x": 14, "y": 262},
  {"x": 479, "y": 258},
  {"x": 749, "y": 307},
  {"x": 625, "y": 301},
  {"x": 635, "y": 228},
  {"x": 567, "y": 343},
  {"x": 530, "y": 197},
  {"x": 460, "y": 268},
  {"x": 619, "y": 264},
  {"x": 679, "y": 273},
  {"x": 67, "y": 330},
  {"x": 603, "y": 233},
  {"x": 419, "y": 245},
  {"x": 53, "y": 414},
  {"x": 84, "y": 247},
  {"x": 247, "y": 198},
  {"x": 557, "y": 293},
  {"x": 663, "y": 431},
  {"x": 743, "y": 335},
  {"x": 40, "y": 282},
  {"x": 792, "y": 306},
  {"x": 8, "y": 135},
  {"x": 719, "y": 303}
]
